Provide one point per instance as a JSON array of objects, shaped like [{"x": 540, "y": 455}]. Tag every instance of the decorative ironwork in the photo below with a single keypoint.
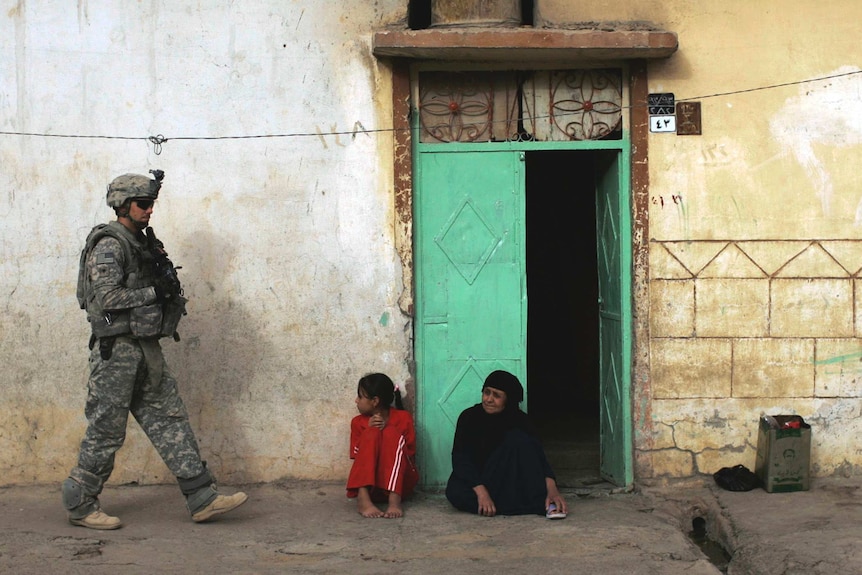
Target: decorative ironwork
[
  {"x": 456, "y": 107},
  {"x": 586, "y": 104},
  {"x": 522, "y": 109},
  {"x": 520, "y": 106}
]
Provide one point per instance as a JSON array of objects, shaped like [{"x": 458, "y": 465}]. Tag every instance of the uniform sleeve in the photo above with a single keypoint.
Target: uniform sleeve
[{"x": 105, "y": 264}]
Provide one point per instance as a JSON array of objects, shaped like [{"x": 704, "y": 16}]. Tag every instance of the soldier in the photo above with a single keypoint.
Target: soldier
[{"x": 133, "y": 297}]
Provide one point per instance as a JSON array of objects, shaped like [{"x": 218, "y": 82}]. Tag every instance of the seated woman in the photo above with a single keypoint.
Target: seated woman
[{"x": 498, "y": 463}]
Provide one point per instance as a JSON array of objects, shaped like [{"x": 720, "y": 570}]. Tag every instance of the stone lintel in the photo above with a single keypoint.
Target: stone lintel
[{"x": 523, "y": 44}]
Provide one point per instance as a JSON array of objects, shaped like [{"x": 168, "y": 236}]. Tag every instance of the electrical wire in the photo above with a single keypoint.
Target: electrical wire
[{"x": 159, "y": 140}]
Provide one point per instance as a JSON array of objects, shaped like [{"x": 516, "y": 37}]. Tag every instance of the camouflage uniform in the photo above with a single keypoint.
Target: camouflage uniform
[{"x": 128, "y": 374}]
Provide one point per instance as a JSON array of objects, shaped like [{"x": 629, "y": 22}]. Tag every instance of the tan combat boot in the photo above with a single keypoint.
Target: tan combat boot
[
  {"x": 221, "y": 504},
  {"x": 98, "y": 519}
]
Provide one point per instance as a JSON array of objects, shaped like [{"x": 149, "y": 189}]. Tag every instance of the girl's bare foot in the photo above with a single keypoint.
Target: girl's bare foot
[
  {"x": 365, "y": 506},
  {"x": 394, "y": 510}
]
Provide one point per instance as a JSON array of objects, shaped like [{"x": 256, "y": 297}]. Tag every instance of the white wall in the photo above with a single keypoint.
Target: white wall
[{"x": 286, "y": 243}]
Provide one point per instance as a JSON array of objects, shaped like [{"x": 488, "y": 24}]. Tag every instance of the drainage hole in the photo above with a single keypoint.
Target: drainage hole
[{"x": 713, "y": 551}]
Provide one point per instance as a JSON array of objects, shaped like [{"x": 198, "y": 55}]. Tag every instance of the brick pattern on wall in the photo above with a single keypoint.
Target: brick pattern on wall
[{"x": 756, "y": 319}]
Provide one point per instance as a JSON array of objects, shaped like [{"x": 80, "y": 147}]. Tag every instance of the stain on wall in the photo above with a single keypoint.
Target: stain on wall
[{"x": 277, "y": 202}]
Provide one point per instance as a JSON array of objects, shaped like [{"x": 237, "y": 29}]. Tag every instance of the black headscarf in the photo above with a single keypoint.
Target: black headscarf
[
  {"x": 505, "y": 381},
  {"x": 478, "y": 434}
]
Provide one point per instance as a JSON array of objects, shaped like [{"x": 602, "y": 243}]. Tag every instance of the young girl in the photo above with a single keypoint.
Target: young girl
[{"x": 382, "y": 446}]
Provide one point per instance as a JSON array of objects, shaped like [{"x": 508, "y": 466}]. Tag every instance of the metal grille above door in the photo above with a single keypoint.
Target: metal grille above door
[{"x": 557, "y": 105}]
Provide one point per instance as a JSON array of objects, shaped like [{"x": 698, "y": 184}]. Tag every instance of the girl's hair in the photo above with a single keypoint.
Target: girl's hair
[{"x": 379, "y": 385}]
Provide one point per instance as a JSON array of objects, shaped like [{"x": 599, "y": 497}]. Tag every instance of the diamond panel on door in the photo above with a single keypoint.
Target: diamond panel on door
[
  {"x": 471, "y": 300},
  {"x": 468, "y": 240}
]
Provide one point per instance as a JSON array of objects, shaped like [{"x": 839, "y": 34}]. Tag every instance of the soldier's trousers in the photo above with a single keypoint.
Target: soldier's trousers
[{"x": 120, "y": 385}]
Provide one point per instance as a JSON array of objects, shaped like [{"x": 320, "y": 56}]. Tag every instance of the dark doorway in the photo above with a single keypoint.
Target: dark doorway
[{"x": 562, "y": 311}]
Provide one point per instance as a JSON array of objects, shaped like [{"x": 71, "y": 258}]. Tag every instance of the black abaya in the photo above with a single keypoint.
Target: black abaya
[{"x": 503, "y": 453}]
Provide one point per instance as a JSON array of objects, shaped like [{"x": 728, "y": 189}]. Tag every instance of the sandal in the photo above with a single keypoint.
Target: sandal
[{"x": 553, "y": 513}]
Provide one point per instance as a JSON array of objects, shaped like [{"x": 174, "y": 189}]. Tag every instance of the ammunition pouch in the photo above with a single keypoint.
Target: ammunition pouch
[
  {"x": 109, "y": 324},
  {"x": 173, "y": 311},
  {"x": 146, "y": 320},
  {"x": 106, "y": 347}
]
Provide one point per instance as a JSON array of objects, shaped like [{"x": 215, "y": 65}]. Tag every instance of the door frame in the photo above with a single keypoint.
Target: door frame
[
  {"x": 424, "y": 397},
  {"x": 403, "y": 72}
]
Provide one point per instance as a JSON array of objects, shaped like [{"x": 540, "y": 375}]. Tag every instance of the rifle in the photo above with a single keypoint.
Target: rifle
[
  {"x": 168, "y": 287},
  {"x": 167, "y": 282}
]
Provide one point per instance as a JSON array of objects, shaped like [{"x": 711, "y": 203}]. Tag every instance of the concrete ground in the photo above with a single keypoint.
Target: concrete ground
[{"x": 309, "y": 527}]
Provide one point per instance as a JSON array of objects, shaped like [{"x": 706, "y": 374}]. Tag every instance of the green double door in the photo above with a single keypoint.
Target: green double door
[{"x": 472, "y": 300}]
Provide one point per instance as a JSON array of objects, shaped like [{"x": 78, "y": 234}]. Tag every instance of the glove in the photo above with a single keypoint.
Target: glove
[{"x": 167, "y": 287}]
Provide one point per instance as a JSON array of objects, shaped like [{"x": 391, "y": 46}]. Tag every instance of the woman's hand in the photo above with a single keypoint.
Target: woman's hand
[
  {"x": 554, "y": 496},
  {"x": 377, "y": 421},
  {"x": 486, "y": 504}
]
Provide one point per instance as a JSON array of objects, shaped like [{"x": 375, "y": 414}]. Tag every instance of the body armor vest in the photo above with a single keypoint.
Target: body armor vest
[{"x": 141, "y": 321}]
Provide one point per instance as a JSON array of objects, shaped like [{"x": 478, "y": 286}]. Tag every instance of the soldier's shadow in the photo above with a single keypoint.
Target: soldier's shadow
[{"x": 217, "y": 360}]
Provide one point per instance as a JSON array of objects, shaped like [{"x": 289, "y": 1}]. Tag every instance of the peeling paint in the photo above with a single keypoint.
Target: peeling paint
[
  {"x": 825, "y": 113},
  {"x": 290, "y": 245}
]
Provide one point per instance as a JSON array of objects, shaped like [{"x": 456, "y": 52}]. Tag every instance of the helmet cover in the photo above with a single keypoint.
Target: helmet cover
[{"x": 131, "y": 186}]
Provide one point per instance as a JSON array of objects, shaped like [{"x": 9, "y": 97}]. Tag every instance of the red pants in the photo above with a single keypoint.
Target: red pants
[{"x": 381, "y": 465}]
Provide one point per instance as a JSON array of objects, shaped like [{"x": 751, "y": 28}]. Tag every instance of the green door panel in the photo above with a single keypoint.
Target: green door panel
[
  {"x": 613, "y": 230},
  {"x": 471, "y": 300},
  {"x": 471, "y": 304}
]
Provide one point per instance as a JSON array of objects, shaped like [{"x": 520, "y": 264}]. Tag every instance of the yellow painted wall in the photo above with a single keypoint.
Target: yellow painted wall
[{"x": 754, "y": 227}]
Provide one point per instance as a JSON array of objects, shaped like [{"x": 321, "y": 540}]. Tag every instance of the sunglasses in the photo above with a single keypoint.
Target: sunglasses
[{"x": 144, "y": 204}]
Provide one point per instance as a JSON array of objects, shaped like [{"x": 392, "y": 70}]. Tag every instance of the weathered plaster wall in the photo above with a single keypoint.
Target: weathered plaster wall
[
  {"x": 287, "y": 243},
  {"x": 755, "y": 254},
  {"x": 292, "y": 248},
  {"x": 754, "y": 228},
  {"x": 766, "y": 319}
]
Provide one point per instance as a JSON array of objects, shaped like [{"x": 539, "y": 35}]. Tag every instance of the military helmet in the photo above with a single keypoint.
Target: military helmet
[{"x": 131, "y": 186}]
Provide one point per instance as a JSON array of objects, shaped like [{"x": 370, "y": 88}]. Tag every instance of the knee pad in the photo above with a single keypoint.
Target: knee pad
[
  {"x": 89, "y": 482},
  {"x": 73, "y": 494},
  {"x": 80, "y": 487}
]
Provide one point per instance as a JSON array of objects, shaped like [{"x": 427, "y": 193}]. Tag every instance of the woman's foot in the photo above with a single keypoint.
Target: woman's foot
[
  {"x": 394, "y": 510},
  {"x": 365, "y": 506}
]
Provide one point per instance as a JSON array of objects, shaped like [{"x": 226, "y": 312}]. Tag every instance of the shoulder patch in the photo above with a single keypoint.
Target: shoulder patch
[{"x": 105, "y": 258}]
